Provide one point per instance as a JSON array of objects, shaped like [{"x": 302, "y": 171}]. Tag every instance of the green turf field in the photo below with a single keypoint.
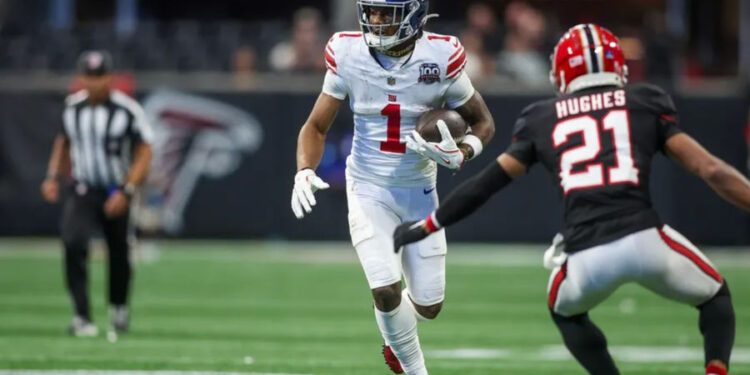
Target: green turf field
[{"x": 280, "y": 308}]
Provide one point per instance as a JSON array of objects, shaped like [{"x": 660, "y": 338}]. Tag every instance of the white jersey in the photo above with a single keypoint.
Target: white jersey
[{"x": 387, "y": 102}]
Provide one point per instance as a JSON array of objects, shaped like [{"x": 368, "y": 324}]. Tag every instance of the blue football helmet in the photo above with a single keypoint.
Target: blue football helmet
[{"x": 409, "y": 16}]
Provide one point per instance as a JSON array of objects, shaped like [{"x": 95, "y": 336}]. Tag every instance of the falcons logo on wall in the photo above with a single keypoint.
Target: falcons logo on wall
[{"x": 194, "y": 137}]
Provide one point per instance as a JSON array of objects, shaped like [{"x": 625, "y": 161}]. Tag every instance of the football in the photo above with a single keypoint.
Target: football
[{"x": 427, "y": 125}]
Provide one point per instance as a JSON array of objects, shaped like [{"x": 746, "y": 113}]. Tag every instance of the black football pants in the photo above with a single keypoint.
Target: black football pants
[{"x": 83, "y": 212}]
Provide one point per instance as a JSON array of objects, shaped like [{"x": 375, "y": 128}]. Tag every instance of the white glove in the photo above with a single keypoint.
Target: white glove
[
  {"x": 306, "y": 182},
  {"x": 555, "y": 255},
  {"x": 445, "y": 153}
]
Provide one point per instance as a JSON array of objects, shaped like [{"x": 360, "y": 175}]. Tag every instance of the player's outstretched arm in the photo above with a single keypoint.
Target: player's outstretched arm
[
  {"x": 729, "y": 183},
  {"x": 480, "y": 120},
  {"x": 310, "y": 145},
  {"x": 462, "y": 201}
]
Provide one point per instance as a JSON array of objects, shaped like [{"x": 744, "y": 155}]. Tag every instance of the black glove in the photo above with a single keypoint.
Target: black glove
[{"x": 408, "y": 232}]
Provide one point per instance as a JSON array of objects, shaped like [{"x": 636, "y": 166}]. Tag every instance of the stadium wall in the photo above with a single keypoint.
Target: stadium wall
[{"x": 250, "y": 198}]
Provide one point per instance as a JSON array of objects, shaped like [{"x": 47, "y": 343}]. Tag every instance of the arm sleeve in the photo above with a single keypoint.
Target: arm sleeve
[
  {"x": 522, "y": 144},
  {"x": 334, "y": 86},
  {"x": 459, "y": 92},
  {"x": 472, "y": 194}
]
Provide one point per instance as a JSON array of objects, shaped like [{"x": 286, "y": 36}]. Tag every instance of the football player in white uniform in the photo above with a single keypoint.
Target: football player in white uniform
[{"x": 393, "y": 71}]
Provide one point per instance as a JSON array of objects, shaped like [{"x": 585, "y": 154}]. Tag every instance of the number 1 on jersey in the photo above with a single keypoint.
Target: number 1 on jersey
[
  {"x": 624, "y": 171},
  {"x": 393, "y": 133}
]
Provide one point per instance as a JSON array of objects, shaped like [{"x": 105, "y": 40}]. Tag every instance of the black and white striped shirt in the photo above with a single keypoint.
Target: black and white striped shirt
[{"x": 103, "y": 136}]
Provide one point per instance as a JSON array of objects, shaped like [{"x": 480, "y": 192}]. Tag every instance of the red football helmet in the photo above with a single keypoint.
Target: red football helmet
[{"x": 587, "y": 55}]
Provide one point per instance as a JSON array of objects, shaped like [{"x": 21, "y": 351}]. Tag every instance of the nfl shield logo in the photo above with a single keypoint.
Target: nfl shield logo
[
  {"x": 391, "y": 81},
  {"x": 429, "y": 73}
]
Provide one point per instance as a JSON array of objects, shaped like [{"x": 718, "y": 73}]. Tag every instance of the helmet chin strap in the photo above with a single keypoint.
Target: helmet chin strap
[
  {"x": 408, "y": 46},
  {"x": 398, "y": 53},
  {"x": 563, "y": 88},
  {"x": 427, "y": 17}
]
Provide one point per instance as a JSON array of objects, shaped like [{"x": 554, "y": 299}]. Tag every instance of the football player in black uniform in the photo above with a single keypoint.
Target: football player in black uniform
[{"x": 598, "y": 138}]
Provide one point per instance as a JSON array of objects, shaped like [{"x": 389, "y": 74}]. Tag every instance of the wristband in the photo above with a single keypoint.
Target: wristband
[
  {"x": 475, "y": 143},
  {"x": 431, "y": 223}
]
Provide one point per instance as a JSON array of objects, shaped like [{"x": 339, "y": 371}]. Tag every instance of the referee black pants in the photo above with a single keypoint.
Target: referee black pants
[{"x": 83, "y": 212}]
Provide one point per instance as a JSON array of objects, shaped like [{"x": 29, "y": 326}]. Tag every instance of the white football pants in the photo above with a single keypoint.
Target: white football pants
[
  {"x": 374, "y": 213},
  {"x": 659, "y": 259}
]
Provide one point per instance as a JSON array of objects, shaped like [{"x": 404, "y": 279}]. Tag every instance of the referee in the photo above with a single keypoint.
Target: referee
[{"x": 105, "y": 142}]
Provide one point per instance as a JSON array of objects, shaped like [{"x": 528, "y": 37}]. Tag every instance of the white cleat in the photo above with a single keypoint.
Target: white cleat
[{"x": 81, "y": 327}]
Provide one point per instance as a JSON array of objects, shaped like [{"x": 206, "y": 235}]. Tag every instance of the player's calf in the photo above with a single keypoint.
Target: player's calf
[
  {"x": 399, "y": 330},
  {"x": 717, "y": 324},
  {"x": 586, "y": 342}
]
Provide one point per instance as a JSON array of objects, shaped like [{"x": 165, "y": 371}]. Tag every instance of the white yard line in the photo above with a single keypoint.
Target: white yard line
[
  {"x": 500, "y": 255},
  {"x": 132, "y": 372},
  {"x": 637, "y": 354},
  {"x": 470, "y": 353}
]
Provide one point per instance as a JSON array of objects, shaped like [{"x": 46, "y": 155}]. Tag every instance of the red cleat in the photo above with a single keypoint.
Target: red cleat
[{"x": 391, "y": 360}]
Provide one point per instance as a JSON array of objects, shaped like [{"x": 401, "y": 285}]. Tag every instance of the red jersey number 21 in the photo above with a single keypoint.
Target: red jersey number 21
[{"x": 615, "y": 122}]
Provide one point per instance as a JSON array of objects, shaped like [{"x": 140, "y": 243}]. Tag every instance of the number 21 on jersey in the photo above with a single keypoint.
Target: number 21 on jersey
[{"x": 592, "y": 175}]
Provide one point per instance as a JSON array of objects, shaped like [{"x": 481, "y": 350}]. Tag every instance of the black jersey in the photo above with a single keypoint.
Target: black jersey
[{"x": 598, "y": 144}]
